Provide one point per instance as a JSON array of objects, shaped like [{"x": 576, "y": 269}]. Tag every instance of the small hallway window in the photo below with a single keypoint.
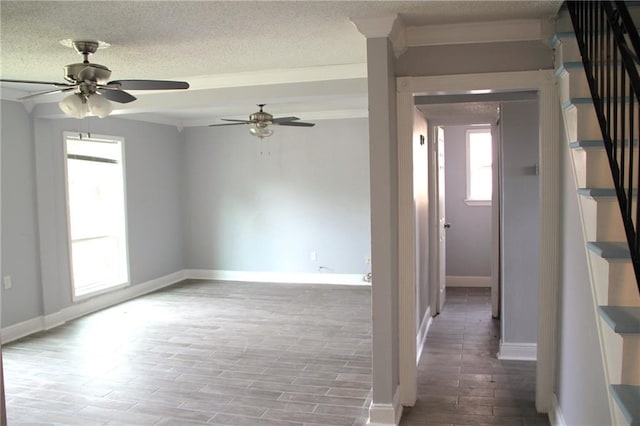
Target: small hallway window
[{"x": 479, "y": 166}]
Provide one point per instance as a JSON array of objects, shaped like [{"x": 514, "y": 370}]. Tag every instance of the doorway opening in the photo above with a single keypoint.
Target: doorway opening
[
  {"x": 540, "y": 83},
  {"x": 492, "y": 211},
  {"x": 461, "y": 158}
]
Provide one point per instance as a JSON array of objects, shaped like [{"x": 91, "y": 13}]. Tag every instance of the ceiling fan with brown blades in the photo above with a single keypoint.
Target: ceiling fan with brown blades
[
  {"x": 260, "y": 121},
  {"x": 91, "y": 87}
]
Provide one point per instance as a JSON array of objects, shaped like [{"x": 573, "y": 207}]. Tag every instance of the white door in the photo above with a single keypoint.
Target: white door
[{"x": 442, "y": 225}]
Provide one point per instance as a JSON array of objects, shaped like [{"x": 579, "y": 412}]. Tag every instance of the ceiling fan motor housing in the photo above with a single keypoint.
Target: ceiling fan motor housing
[
  {"x": 75, "y": 73},
  {"x": 261, "y": 119}
]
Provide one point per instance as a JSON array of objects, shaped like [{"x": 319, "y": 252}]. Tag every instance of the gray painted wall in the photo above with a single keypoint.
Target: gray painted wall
[
  {"x": 469, "y": 238},
  {"x": 262, "y": 212},
  {"x": 265, "y": 205},
  {"x": 20, "y": 250},
  {"x": 34, "y": 155},
  {"x": 520, "y": 221},
  {"x": 580, "y": 383},
  {"x": 487, "y": 57}
]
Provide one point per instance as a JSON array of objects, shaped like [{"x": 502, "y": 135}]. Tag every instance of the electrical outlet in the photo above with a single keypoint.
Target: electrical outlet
[
  {"x": 314, "y": 256},
  {"x": 7, "y": 282}
]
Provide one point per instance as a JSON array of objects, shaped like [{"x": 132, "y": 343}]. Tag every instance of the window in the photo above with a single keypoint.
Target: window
[
  {"x": 96, "y": 209},
  {"x": 479, "y": 171}
]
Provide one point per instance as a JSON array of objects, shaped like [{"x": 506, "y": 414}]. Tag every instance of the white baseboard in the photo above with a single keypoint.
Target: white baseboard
[
  {"x": 386, "y": 414},
  {"x": 555, "y": 415},
  {"x": 518, "y": 351},
  {"x": 87, "y": 306},
  {"x": 467, "y": 281},
  {"x": 22, "y": 329},
  {"x": 421, "y": 337},
  {"x": 277, "y": 277}
]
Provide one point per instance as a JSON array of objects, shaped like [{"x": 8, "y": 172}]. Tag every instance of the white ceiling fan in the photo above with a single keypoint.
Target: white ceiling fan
[
  {"x": 91, "y": 87},
  {"x": 260, "y": 121}
]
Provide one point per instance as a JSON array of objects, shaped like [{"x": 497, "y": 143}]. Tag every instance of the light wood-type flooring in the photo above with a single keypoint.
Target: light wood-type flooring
[{"x": 203, "y": 352}]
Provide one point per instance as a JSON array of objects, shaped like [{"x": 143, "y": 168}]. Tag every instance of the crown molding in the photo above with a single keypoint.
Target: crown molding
[
  {"x": 391, "y": 27},
  {"x": 278, "y": 76}
]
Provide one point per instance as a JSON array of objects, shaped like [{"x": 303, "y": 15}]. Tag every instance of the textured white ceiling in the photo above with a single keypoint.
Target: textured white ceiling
[{"x": 198, "y": 39}]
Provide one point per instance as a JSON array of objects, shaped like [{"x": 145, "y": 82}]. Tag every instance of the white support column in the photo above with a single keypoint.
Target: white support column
[
  {"x": 548, "y": 272},
  {"x": 383, "y": 159}
]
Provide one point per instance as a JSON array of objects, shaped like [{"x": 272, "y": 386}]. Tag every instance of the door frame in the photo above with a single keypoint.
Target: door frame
[
  {"x": 496, "y": 201},
  {"x": 432, "y": 166},
  {"x": 441, "y": 230},
  {"x": 543, "y": 82}
]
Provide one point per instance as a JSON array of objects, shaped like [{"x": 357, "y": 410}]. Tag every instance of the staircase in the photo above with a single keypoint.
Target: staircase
[{"x": 614, "y": 284}]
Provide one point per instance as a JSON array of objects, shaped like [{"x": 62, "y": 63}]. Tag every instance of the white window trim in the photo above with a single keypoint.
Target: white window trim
[
  {"x": 477, "y": 203},
  {"x": 473, "y": 202},
  {"x": 118, "y": 286}
]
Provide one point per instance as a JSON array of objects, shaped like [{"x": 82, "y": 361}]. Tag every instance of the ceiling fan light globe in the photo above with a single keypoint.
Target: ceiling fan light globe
[
  {"x": 74, "y": 106},
  {"x": 99, "y": 105}
]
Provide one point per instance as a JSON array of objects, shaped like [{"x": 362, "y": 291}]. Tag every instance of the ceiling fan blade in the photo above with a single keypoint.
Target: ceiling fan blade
[
  {"x": 5, "y": 80},
  {"x": 281, "y": 120},
  {"x": 66, "y": 89},
  {"x": 117, "y": 95},
  {"x": 229, "y": 124},
  {"x": 237, "y": 121},
  {"x": 296, "y": 123},
  {"x": 150, "y": 84}
]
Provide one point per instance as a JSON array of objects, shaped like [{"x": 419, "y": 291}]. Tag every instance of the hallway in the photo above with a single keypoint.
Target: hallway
[{"x": 460, "y": 380}]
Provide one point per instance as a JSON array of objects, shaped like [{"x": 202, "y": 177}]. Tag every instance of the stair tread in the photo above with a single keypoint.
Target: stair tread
[
  {"x": 587, "y": 144},
  {"x": 622, "y": 319},
  {"x": 610, "y": 249},
  {"x": 628, "y": 399},
  {"x": 577, "y": 101},
  {"x": 597, "y": 192},
  {"x": 569, "y": 65},
  {"x": 594, "y": 143},
  {"x": 581, "y": 100}
]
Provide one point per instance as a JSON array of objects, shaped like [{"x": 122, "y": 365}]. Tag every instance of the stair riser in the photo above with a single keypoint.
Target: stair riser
[
  {"x": 563, "y": 22},
  {"x": 573, "y": 84},
  {"x": 630, "y": 360},
  {"x": 615, "y": 282},
  {"x": 592, "y": 168},
  {"x": 602, "y": 219},
  {"x": 582, "y": 122},
  {"x": 566, "y": 50},
  {"x": 622, "y": 358}
]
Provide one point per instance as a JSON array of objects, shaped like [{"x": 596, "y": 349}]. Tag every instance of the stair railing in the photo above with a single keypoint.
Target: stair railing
[{"x": 609, "y": 46}]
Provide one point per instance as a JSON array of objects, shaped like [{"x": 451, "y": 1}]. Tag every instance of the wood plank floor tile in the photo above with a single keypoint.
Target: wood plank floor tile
[
  {"x": 204, "y": 352},
  {"x": 461, "y": 382}
]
